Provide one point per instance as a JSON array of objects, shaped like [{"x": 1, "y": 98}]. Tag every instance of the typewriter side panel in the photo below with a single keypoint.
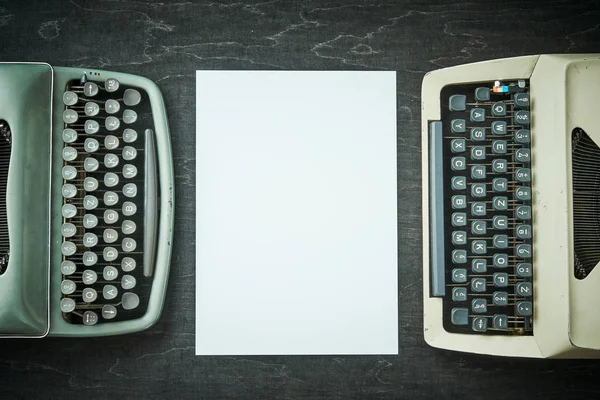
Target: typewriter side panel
[
  {"x": 25, "y": 104},
  {"x": 434, "y": 333},
  {"x": 582, "y": 97},
  {"x": 164, "y": 237}
]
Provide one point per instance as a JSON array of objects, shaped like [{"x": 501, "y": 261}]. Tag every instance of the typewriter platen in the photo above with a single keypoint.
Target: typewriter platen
[
  {"x": 86, "y": 201},
  {"x": 511, "y": 217}
]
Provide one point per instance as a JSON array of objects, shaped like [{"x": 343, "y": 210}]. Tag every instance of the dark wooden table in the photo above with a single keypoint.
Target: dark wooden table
[{"x": 167, "y": 43}]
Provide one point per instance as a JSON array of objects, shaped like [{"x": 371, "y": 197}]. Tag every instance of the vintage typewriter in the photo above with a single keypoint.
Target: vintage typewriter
[
  {"x": 86, "y": 201},
  {"x": 511, "y": 206}
]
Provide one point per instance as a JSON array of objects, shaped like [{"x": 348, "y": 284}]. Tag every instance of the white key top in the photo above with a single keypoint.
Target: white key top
[
  {"x": 109, "y": 311},
  {"x": 91, "y": 145},
  {"x": 111, "y": 142},
  {"x": 129, "y": 135},
  {"x": 111, "y": 198},
  {"x": 129, "y": 208},
  {"x": 90, "y": 184},
  {"x": 110, "y": 273},
  {"x": 112, "y": 106},
  {"x": 111, "y": 179},
  {"x": 110, "y": 254},
  {"x": 90, "y": 239},
  {"x": 89, "y": 277},
  {"x": 90, "y": 258},
  {"x": 90, "y": 164},
  {"x": 128, "y": 282},
  {"x": 69, "y": 172},
  {"x": 69, "y": 211},
  {"x": 70, "y": 116},
  {"x": 109, "y": 292},
  {"x": 90, "y": 202},
  {"x": 68, "y": 248},
  {"x": 91, "y": 126},
  {"x": 68, "y": 229},
  {"x": 69, "y": 153},
  {"x": 130, "y": 300},
  {"x": 111, "y": 160},
  {"x": 110, "y": 235},
  {"x": 91, "y": 109},
  {"x": 128, "y": 245},
  {"x": 90, "y": 221},
  {"x": 111, "y": 85},
  {"x": 67, "y": 286},
  {"x": 112, "y": 123},
  {"x": 129, "y": 153},
  {"x": 89, "y": 295},
  {"x": 90, "y": 89},
  {"x": 67, "y": 267},
  {"x": 111, "y": 216},
  {"x": 129, "y": 116},
  {"x": 128, "y": 264},
  {"x": 128, "y": 227},
  {"x": 129, "y": 171},
  {"x": 70, "y": 98},
  {"x": 69, "y": 135},
  {"x": 69, "y": 191},
  {"x": 67, "y": 305},
  {"x": 130, "y": 190},
  {"x": 131, "y": 97}
]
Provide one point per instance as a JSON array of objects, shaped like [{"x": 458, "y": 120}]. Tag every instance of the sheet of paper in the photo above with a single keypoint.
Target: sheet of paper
[{"x": 296, "y": 217}]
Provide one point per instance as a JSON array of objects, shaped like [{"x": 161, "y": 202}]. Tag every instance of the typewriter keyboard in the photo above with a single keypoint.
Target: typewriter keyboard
[
  {"x": 481, "y": 218},
  {"x": 109, "y": 202}
]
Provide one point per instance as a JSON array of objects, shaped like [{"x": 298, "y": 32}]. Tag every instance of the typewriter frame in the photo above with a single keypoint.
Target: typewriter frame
[
  {"x": 32, "y": 296},
  {"x": 558, "y": 83}
]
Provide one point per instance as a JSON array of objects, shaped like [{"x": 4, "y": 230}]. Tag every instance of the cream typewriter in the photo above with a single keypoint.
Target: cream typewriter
[
  {"x": 86, "y": 201},
  {"x": 511, "y": 206}
]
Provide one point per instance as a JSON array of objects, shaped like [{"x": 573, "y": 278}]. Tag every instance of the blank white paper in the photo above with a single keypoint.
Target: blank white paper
[{"x": 296, "y": 216}]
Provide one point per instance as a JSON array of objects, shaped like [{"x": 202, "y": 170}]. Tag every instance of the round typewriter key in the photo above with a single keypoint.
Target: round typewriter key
[
  {"x": 90, "y": 239},
  {"x": 111, "y": 85},
  {"x": 90, "y": 164},
  {"x": 89, "y": 277},
  {"x": 90, "y": 258},
  {"x": 112, "y": 106},
  {"x": 129, "y": 301},
  {"x": 110, "y": 254},
  {"x": 90, "y": 221},
  {"x": 111, "y": 142},
  {"x": 69, "y": 135},
  {"x": 90, "y": 318},
  {"x": 91, "y": 145},
  {"x": 128, "y": 282},
  {"x": 110, "y": 235},
  {"x": 67, "y": 267},
  {"x": 109, "y": 311},
  {"x": 69, "y": 211},
  {"x": 129, "y": 171},
  {"x": 69, "y": 172},
  {"x": 129, "y": 208},
  {"x": 91, "y": 109},
  {"x": 128, "y": 264},
  {"x": 128, "y": 227},
  {"x": 129, "y": 116},
  {"x": 91, "y": 126},
  {"x": 69, "y": 154},
  {"x": 110, "y": 273},
  {"x": 112, "y": 123},
  {"x": 111, "y": 160},
  {"x": 70, "y": 98},
  {"x": 68, "y": 229},
  {"x": 131, "y": 97},
  {"x": 90, "y": 202},
  {"x": 111, "y": 216},
  {"x": 69, "y": 190},
  {"x": 89, "y": 295},
  {"x": 111, "y": 198},
  {"x": 67, "y": 286},
  {"x": 68, "y": 248},
  {"x": 111, "y": 179},
  {"x": 109, "y": 292},
  {"x": 128, "y": 245},
  {"x": 70, "y": 116},
  {"x": 90, "y": 89},
  {"x": 67, "y": 305},
  {"x": 129, "y": 135},
  {"x": 90, "y": 184},
  {"x": 129, "y": 153},
  {"x": 130, "y": 190}
]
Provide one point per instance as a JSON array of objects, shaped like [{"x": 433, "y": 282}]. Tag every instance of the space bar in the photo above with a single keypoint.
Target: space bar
[
  {"x": 150, "y": 205},
  {"x": 436, "y": 209}
]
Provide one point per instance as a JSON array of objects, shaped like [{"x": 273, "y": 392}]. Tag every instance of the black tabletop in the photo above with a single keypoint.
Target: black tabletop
[{"x": 167, "y": 42}]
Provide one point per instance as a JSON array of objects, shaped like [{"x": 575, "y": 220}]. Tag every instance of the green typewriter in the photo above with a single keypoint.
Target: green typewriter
[{"x": 86, "y": 201}]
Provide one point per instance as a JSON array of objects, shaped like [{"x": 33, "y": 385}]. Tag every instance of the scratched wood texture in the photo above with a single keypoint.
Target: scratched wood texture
[{"x": 169, "y": 41}]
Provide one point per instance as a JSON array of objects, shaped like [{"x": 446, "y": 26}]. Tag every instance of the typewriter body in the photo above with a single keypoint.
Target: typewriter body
[
  {"x": 86, "y": 201},
  {"x": 511, "y": 206}
]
